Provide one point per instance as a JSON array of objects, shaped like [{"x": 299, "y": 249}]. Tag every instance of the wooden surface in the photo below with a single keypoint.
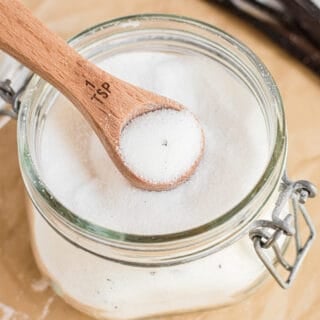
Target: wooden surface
[{"x": 21, "y": 294}]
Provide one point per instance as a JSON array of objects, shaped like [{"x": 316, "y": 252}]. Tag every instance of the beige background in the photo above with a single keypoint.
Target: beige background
[{"x": 21, "y": 295}]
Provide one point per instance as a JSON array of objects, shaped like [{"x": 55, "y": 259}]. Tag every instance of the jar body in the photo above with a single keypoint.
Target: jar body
[
  {"x": 119, "y": 276},
  {"x": 110, "y": 290}
]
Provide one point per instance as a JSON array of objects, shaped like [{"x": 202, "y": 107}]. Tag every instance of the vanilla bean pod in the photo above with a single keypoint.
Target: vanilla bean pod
[
  {"x": 285, "y": 31},
  {"x": 307, "y": 15},
  {"x": 280, "y": 14}
]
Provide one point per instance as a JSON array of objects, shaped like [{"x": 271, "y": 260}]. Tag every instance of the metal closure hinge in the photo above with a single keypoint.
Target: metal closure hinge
[
  {"x": 265, "y": 233},
  {"x": 10, "y": 97}
]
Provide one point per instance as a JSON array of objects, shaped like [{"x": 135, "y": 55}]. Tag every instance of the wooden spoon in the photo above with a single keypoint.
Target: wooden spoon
[{"x": 106, "y": 102}]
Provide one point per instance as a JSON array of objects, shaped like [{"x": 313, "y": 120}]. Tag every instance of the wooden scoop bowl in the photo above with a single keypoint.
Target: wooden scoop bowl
[{"x": 106, "y": 102}]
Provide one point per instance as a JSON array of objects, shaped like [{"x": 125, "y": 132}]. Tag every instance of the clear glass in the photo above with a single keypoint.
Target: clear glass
[{"x": 131, "y": 275}]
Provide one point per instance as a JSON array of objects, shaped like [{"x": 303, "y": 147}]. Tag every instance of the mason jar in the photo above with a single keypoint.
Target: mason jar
[{"x": 115, "y": 275}]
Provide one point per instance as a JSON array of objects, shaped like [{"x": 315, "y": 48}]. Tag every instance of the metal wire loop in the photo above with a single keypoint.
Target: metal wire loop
[
  {"x": 11, "y": 98},
  {"x": 266, "y": 233}
]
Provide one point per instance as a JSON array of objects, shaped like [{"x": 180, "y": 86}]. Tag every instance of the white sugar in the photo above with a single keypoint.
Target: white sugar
[
  {"x": 161, "y": 146},
  {"x": 80, "y": 174},
  {"x": 6, "y": 312},
  {"x": 40, "y": 285},
  {"x": 9, "y": 313},
  {"x": 46, "y": 308}
]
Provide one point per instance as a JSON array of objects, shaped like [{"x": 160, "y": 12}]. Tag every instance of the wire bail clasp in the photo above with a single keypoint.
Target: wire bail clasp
[
  {"x": 11, "y": 97},
  {"x": 265, "y": 233}
]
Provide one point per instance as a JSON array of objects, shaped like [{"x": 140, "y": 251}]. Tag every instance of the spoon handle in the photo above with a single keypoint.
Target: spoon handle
[
  {"x": 28, "y": 40},
  {"x": 106, "y": 102}
]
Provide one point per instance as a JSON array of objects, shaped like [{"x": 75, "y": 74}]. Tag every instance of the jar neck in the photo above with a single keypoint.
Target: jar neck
[
  {"x": 160, "y": 32},
  {"x": 164, "y": 252}
]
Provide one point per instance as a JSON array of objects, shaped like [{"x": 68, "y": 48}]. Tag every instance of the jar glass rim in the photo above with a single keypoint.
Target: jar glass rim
[{"x": 32, "y": 177}]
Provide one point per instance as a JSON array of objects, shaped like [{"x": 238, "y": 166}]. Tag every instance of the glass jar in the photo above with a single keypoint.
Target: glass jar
[{"x": 132, "y": 276}]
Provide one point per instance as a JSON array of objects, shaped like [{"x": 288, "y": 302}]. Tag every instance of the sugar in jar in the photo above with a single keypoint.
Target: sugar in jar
[{"x": 117, "y": 252}]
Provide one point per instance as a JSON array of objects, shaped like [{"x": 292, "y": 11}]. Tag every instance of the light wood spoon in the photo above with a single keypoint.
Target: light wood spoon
[{"x": 106, "y": 102}]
